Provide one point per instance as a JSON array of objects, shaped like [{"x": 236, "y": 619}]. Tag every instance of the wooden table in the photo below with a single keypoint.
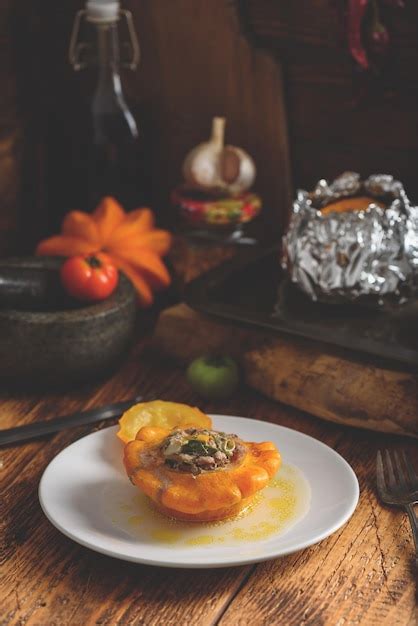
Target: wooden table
[
  {"x": 363, "y": 574},
  {"x": 360, "y": 575}
]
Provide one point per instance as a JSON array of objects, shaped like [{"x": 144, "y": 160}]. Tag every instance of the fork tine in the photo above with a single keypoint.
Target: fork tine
[
  {"x": 401, "y": 473},
  {"x": 391, "y": 473},
  {"x": 412, "y": 474},
  {"x": 380, "y": 474}
]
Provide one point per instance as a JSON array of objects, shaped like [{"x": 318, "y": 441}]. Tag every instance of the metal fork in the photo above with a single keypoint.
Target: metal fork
[{"x": 400, "y": 487}]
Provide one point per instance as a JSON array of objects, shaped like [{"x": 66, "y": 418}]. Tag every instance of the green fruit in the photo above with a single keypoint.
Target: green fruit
[{"x": 213, "y": 377}]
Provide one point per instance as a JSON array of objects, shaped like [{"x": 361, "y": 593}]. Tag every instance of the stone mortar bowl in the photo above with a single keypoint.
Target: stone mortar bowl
[{"x": 68, "y": 346}]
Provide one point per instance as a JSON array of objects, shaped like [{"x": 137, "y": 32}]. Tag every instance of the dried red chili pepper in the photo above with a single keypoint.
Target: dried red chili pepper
[{"x": 356, "y": 13}]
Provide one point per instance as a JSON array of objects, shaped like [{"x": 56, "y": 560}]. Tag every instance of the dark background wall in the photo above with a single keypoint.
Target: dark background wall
[
  {"x": 279, "y": 71},
  {"x": 339, "y": 117}
]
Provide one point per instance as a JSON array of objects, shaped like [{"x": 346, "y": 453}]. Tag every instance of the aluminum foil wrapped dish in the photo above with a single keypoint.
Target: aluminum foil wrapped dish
[{"x": 353, "y": 239}]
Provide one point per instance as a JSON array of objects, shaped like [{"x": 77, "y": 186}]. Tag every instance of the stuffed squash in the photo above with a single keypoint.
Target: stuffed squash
[{"x": 198, "y": 474}]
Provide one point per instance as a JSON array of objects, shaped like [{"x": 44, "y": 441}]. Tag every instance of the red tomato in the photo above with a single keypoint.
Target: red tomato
[{"x": 89, "y": 278}]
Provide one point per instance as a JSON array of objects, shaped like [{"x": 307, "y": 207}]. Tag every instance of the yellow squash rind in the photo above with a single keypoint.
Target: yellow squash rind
[
  {"x": 208, "y": 496},
  {"x": 158, "y": 413}
]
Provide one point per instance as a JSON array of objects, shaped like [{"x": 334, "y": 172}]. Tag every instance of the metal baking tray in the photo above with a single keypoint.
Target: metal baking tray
[{"x": 253, "y": 289}]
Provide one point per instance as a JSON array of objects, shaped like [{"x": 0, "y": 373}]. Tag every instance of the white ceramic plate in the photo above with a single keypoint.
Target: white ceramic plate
[{"x": 86, "y": 494}]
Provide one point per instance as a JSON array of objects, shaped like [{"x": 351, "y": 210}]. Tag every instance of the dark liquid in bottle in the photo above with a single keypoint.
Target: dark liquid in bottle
[
  {"x": 103, "y": 150},
  {"x": 116, "y": 163}
]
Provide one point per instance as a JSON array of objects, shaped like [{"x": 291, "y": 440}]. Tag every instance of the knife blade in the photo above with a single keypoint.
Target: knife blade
[{"x": 79, "y": 418}]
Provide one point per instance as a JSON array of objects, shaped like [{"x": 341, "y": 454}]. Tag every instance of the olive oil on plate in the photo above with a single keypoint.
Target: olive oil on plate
[{"x": 283, "y": 503}]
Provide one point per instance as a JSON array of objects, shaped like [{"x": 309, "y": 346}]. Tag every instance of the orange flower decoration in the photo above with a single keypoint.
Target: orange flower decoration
[{"x": 130, "y": 239}]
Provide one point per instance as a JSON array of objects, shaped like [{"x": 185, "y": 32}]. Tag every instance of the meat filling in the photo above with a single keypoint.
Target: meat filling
[{"x": 197, "y": 450}]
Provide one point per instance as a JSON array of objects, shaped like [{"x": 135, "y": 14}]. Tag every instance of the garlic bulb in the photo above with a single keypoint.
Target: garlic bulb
[{"x": 215, "y": 168}]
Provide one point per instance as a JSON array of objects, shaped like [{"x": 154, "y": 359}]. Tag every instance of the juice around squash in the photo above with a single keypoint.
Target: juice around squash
[
  {"x": 199, "y": 482},
  {"x": 272, "y": 512}
]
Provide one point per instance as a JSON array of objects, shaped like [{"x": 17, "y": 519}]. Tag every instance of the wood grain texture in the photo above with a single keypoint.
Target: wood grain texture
[
  {"x": 361, "y": 575},
  {"x": 322, "y": 380},
  {"x": 182, "y": 334},
  {"x": 196, "y": 63},
  {"x": 343, "y": 579},
  {"x": 334, "y": 385},
  {"x": 189, "y": 260}
]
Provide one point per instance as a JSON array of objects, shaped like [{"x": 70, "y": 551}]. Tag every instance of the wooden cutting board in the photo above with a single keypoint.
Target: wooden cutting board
[{"x": 329, "y": 383}]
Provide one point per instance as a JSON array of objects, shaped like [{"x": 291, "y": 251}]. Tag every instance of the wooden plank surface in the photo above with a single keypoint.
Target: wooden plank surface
[
  {"x": 328, "y": 382},
  {"x": 196, "y": 63},
  {"x": 360, "y": 575}
]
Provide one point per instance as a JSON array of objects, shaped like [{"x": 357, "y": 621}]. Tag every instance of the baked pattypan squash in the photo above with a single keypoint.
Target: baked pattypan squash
[{"x": 198, "y": 474}]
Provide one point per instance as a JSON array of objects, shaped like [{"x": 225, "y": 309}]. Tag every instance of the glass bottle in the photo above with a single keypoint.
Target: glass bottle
[{"x": 116, "y": 166}]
